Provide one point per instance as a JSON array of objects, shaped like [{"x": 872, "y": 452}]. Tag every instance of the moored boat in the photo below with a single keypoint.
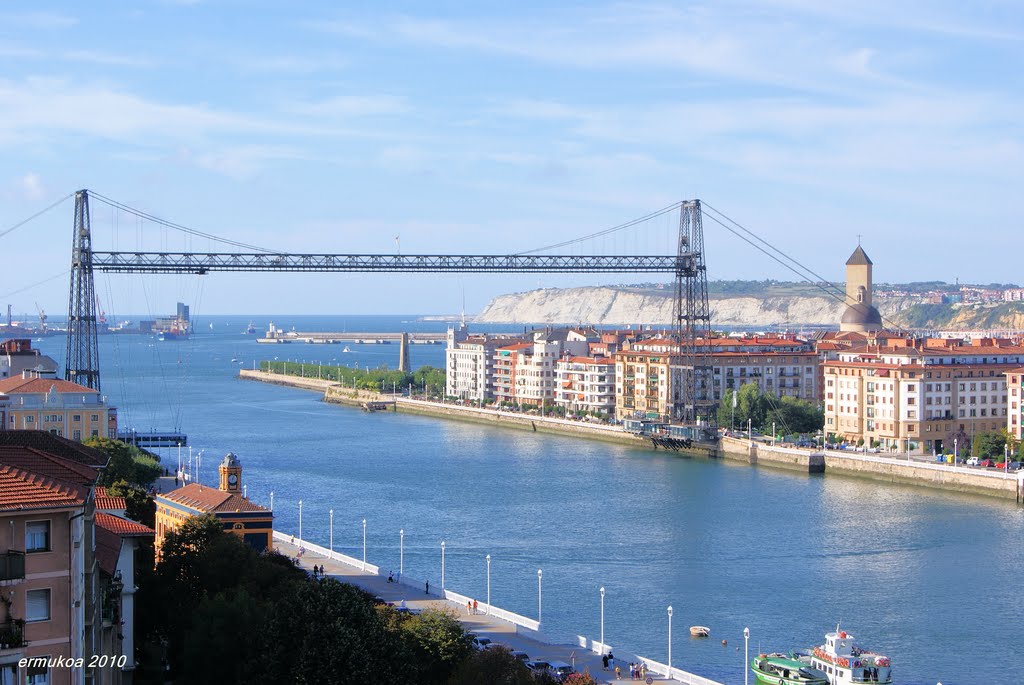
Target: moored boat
[
  {"x": 779, "y": 669},
  {"x": 844, "y": 663},
  {"x": 699, "y": 631}
]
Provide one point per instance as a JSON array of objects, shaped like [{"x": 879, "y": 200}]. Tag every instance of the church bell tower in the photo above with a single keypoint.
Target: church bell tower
[{"x": 230, "y": 474}]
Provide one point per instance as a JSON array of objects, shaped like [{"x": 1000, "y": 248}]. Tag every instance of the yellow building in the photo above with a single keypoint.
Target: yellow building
[
  {"x": 56, "y": 406},
  {"x": 250, "y": 521}
]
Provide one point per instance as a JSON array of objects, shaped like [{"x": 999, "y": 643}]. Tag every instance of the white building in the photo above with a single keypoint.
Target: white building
[
  {"x": 469, "y": 363},
  {"x": 585, "y": 384}
]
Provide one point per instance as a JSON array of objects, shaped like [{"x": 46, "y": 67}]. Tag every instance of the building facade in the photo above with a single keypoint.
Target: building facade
[
  {"x": 585, "y": 384},
  {"x": 57, "y": 406},
  {"x": 933, "y": 394},
  {"x": 18, "y": 356},
  {"x": 228, "y": 503},
  {"x": 1015, "y": 398},
  {"x": 469, "y": 364}
]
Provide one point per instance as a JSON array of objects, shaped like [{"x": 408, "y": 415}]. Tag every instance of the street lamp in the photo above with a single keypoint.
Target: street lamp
[
  {"x": 488, "y": 584},
  {"x": 669, "y": 674},
  {"x": 364, "y": 544},
  {"x": 271, "y": 500},
  {"x": 401, "y": 552},
  {"x": 773, "y": 434},
  {"x": 332, "y": 531},
  {"x": 442, "y": 567},
  {"x": 539, "y": 605},
  {"x": 300, "y": 523},
  {"x": 750, "y": 434},
  {"x": 956, "y": 450},
  {"x": 746, "y": 654},
  {"x": 602, "y": 619}
]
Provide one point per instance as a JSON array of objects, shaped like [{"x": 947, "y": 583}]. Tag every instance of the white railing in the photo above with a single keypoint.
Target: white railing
[
  {"x": 676, "y": 674},
  {"x": 324, "y": 552},
  {"x": 593, "y": 645},
  {"x": 596, "y": 427}
]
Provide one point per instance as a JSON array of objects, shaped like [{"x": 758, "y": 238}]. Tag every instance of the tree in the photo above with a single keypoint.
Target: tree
[
  {"x": 439, "y": 644},
  {"x": 125, "y": 462},
  {"x": 580, "y": 679},
  {"x": 496, "y": 666},
  {"x": 139, "y": 506}
]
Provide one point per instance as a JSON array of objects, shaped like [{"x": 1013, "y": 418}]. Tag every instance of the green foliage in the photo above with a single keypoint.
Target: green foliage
[
  {"x": 580, "y": 679},
  {"x": 496, "y": 665},
  {"x": 126, "y": 462},
  {"x": 139, "y": 506},
  {"x": 989, "y": 444},
  {"x": 439, "y": 644},
  {"x": 789, "y": 414},
  {"x": 379, "y": 380}
]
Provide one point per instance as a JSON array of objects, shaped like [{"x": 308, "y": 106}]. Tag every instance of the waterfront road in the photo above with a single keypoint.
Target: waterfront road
[{"x": 497, "y": 630}]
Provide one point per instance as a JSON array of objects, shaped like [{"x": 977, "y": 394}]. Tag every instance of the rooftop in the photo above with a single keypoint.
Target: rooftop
[
  {"x": 23, "y": 490},
  {"x": 210, "y": 500},
  {"x": 17, "y": 384}
]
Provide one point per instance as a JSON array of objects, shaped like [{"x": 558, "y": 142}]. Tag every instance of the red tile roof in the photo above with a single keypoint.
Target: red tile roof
[
  {"x": 110, "y": 532},
  {"x": 54, "y": 444},
  {"x": 49, "y": 465},
  {"x": 105, "y": 501},
  {"x": 17, "y": 384},
  {"x": 20, "y": 489},
  {"x": 122, "y": 526},
  {"x": 209, "y": 500}
]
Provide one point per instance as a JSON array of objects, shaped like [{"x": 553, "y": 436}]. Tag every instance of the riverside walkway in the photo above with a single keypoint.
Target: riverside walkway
[{"x": 500, "y": 631}]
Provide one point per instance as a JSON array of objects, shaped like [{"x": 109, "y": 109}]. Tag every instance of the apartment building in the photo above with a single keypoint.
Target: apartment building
[
  {"x": 524, "y": 373},
  {"x": 1015, "y": 398},
  {"x": 57, "y": 406},
  {"x": 17, "y": 356},
  {"x": 469, "y": 363},
  {"x": 585, "y": 384},
  {"x": 649, "y": 374},
  {"x": 929, "y": 393}
]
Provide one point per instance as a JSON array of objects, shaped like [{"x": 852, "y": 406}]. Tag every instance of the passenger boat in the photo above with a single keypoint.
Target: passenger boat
[
  {"x": 844, "y": 663},
  {"x": 780, "y": 669},
  {"x": 250, "y": 329},
  {"x": 699, "y": 631}
]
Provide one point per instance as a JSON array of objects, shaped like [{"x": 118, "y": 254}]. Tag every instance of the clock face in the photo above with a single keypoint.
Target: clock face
[{"x": 232, "y": 479}]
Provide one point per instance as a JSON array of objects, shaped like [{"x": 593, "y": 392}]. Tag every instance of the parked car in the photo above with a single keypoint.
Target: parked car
[
  {"x": 481, "y": 642},
  {"x": 560, "y": 669},
  {"x": 520, "y": 656},
  {"x": 538, "y": 667},
  {"x": 986, "y": 463},
  {"x": 1015, "y": 465},
  {"x": 973, "y": 461}
]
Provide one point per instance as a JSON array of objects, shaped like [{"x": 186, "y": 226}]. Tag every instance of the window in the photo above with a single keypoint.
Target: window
[
  {"x": 37, "y": 675},
  {"x": 37, "y": 605},
  {"x": 37, "y": 536}
]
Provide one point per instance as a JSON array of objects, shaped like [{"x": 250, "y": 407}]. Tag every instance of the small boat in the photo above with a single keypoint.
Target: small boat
[
  {"x": 699, "y": 631},
  {"x": 346, "y": 349},
  {"x": 250, "y": 329},
  {"x": 847, "y": 664},
  {"x": 779, "y": 669}
]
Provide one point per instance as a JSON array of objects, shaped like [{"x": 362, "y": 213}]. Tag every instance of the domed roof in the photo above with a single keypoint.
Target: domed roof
[
  {"x": 861, "y": 315},
  {"x": 230, "y": 460}
]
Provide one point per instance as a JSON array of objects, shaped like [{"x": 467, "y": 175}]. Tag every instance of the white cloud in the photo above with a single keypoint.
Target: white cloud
[
  {"x": 46, "y": 21},
  {"x": 31, "y": 186},
  {"x": 347, "y": 106}
]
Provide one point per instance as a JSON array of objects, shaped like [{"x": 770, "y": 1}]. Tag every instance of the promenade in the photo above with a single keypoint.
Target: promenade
[{"x": 500, "y": 631}]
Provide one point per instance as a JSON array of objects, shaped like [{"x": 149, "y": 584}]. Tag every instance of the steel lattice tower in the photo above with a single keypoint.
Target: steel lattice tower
[
  {"x": 693, "y": 401},
  {"x": 83, "y": 357}
]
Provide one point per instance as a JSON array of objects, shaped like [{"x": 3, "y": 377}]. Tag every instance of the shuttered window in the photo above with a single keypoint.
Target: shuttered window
[
  {"x": 37, "y": 605},
  {"x": 37, "y": 536}
]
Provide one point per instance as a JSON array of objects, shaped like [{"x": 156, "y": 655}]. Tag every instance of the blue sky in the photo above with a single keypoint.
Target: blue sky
[{"x": 499, "y": 127}]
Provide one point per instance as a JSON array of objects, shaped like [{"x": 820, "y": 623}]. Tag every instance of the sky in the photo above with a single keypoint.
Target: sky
[{"x": 494, "y": 128}]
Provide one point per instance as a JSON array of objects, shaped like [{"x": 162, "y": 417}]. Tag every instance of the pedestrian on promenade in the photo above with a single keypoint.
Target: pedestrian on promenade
[
  {"x": 469, "y": 607},
  {"x": 604, "y": 661},
  {"x": 618, "y": 672},
  {"x": 475, "y": 607},
  {"x": 426, "y": 586}
]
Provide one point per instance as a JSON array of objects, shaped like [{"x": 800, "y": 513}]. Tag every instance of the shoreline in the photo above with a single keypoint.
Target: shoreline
[{"x": 877, "y": 468}]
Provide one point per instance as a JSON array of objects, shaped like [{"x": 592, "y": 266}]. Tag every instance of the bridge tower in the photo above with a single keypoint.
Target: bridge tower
[
  {"x": 82, "y": 363},
  {"x": 693, "y": 396},
  {"x": 404, "y": 364}
]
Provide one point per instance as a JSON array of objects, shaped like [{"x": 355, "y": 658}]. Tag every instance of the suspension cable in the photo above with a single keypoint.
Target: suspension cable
[
  {"x": 674, "y": 206},
  {"x": 37, "y": 214}
]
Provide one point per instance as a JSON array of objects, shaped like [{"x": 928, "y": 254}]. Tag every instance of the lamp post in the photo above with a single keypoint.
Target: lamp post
[
  {"x": 669, "y": 674},
  {"x": 488, "y": 584},
  {"x": 602, "y": 619},
  {"x": 746, "y": 654},
  {"x": 271, "y": 500},
  {"x": 300, "y": 523},
  {"x": 773, "y": 434},
  {"x": 401, "y": 552},
  {"x": 750, "y": 434},
  {"x": 1006, "y": 460},
  {"x": 442, "y": 567},
  {"x": 956, "y": 450},
  {"x": 539, "y": 604},
  {"x": 364, "y": 544},
  {"x": 332, "y": 530}
]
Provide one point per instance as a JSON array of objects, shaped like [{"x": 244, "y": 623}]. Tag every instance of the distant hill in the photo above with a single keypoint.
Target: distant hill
[{"x": 746, "y": 303}]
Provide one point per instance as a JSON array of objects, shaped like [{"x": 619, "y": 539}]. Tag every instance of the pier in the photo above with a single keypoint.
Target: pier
[{"x": 276, "y": 336}]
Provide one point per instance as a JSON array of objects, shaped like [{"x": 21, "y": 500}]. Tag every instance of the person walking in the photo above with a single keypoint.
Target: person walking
[
  {"x": 475, "y": 607},
  {"x": 426, "y": 586},
  {"x": 604, "y": 661},
  {"x": 469, "y": 607}
]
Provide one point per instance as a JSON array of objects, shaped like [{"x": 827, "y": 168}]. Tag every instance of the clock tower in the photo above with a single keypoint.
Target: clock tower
[{"x": 230, "y": 474}]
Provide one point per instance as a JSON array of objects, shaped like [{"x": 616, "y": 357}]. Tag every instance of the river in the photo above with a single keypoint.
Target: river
[{"x": 929, "y": 578}]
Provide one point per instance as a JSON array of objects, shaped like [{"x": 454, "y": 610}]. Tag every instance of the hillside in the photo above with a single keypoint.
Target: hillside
[{"x": 802, "y": 305}]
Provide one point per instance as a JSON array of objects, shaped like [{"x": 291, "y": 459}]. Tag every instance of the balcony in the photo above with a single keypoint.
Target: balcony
[
  {"x": 12, "y": 565},
  {"x": 12, "y": 634}
]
